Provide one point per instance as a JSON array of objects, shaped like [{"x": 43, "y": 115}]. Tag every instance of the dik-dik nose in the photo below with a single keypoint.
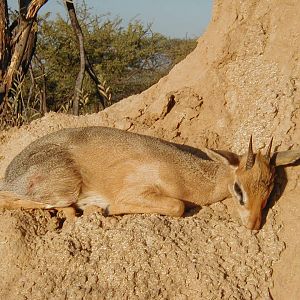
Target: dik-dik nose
[{"x": 254, "y": 223}]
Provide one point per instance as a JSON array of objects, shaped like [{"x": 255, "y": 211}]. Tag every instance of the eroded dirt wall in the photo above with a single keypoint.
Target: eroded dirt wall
[{"x": 242, "y": 79}]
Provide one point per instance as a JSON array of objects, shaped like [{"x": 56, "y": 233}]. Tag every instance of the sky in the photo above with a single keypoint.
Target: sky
[{"x": 173, "y": 18}]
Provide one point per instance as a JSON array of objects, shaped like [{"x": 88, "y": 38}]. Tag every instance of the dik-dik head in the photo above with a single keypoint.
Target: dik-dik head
[{"x": 253, "y": 179}]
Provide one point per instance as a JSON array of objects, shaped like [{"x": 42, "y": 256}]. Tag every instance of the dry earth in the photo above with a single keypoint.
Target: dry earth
[{"x": 243, "y": 78}]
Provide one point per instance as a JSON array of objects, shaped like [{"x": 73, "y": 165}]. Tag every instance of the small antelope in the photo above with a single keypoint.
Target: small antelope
[{"x": 123, "y": 172}]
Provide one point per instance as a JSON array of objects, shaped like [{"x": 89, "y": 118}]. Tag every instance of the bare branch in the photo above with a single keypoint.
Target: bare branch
[
  {"x": 100, "y": 90},
  {"x": 84, "y": 64},
  {"x": 43, "y": 98},
  {"x": 79, "y": 35},
  {"x": 34, "y": 7}
]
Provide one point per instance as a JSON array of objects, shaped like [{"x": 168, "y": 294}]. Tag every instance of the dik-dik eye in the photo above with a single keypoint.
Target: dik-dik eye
[{"x": 239, "y": 193}]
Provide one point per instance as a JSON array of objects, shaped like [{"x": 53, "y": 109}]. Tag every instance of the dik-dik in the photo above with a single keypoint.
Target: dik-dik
[{"x": 124, "y": 172}]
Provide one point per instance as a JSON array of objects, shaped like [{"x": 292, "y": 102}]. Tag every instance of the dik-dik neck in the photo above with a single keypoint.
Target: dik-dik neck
[{"x": 207, "y": 182}]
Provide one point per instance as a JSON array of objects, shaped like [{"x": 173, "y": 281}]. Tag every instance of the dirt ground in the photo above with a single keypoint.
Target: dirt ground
[{"x": 243, "y": 78}]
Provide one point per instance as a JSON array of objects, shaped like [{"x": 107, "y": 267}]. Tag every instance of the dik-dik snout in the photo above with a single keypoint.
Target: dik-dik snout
[{"x": 251, "y": 209}]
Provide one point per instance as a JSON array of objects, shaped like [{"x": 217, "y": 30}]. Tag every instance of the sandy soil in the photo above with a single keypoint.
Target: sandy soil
[
  {"x": 242, "y": 79},
  {"x": 206, "y": 256}
]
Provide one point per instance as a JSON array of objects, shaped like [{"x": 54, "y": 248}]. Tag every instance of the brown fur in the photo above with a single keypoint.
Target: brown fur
[{"x": 124, "y": 172}]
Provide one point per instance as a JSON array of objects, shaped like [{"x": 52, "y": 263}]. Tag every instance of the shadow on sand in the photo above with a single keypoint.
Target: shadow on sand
[{"x": 279, "y": 187}]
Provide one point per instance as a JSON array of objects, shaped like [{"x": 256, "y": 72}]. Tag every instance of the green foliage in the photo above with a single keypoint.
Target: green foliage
[{"x": 128, "y": 59}]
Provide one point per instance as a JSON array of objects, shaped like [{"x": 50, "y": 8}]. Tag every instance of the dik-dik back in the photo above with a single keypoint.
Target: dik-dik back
[{"x": 124, "y": 172}]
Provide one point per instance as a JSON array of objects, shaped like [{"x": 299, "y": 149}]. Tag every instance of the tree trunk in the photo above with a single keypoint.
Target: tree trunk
[
  {"x": 17, "y": 44},
  {"x": 42, "y": 91},
  {"x": 44, "y": 108},
  {"x": 79, "y": 35},
  {"x": 103, "y": 94},
  {"x": 4, "y": 46}
]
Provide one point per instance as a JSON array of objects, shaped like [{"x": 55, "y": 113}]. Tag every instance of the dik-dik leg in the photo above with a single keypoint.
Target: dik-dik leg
[
  {"x": 10, "y": 200},
  {"x": 148, "y": 203}
]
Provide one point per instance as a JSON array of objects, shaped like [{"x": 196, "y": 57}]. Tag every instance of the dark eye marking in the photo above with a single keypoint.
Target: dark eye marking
[{"x": 239, "y": 193}]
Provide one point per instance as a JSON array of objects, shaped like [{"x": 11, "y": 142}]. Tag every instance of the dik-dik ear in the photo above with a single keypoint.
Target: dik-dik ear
[
  {"x": 285, "y": 157},
  {"x": 222, "y": 156}
]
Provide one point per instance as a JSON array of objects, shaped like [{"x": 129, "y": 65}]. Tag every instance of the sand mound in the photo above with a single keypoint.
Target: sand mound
[
  {"x": 242, "y": 79},
  {"x": 207, "y": 256}
]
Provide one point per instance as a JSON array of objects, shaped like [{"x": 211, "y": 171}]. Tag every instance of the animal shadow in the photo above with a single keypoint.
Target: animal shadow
[{"x": 279, "y": 187}]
